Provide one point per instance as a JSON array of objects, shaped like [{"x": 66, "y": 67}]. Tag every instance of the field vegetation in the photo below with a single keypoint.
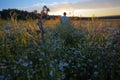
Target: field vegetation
[{"x": 81, "y": 50}]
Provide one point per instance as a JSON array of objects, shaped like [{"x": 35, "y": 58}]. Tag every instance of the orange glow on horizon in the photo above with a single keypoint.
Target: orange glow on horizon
[{"x": 88, "y": 12}]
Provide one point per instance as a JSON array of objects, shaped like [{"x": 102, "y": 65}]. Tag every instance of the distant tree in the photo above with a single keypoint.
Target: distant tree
[
  {"x": 7, "y": 13},
  {"x": 0, "y": 17},
  {"x": 35, "y": 11}
]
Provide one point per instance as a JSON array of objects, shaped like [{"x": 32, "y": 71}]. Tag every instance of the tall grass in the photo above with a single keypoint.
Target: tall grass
[{"x": 68, "y": 52}]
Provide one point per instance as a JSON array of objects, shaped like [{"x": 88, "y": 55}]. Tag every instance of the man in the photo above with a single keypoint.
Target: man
[{"x": 64, "y": 19}]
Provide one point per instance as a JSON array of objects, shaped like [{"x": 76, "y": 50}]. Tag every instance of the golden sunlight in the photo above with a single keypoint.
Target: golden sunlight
[{"x": 88, "y": 12}]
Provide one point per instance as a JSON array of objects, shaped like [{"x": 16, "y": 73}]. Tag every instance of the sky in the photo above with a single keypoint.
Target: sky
[{"x": 86, "y": 8}]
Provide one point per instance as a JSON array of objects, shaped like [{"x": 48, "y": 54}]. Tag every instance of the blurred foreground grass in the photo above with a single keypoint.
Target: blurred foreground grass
[{"x": 84, "y": 50}]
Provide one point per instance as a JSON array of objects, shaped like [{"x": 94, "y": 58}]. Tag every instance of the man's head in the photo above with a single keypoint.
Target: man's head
[{"x": 64, "y": 13}]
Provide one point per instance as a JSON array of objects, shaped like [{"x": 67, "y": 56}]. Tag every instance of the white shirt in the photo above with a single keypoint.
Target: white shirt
[{"x": 64, "y": 20}]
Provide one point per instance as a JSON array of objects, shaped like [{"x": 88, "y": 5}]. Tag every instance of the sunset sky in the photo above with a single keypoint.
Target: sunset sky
[{"x": 85, "y": 8}]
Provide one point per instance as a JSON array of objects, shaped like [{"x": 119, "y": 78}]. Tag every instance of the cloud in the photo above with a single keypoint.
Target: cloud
[
  {"x": 37, "y": 4},
  {"x": 88, "y": 7},
  {"x": 89, "y": 4}
]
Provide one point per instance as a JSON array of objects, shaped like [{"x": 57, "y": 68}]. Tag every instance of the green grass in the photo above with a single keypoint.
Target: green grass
[{"x": 86, "y": 52}]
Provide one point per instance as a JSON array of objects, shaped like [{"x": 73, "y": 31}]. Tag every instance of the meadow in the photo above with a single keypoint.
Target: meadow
[{"x": 81, "y": 50}]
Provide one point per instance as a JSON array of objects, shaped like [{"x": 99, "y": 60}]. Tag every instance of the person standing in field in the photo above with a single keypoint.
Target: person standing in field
[{"x": 64, "y": 19}]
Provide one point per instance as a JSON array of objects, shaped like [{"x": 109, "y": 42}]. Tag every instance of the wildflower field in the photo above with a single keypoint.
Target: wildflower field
[{"x": 82, "y": 50}]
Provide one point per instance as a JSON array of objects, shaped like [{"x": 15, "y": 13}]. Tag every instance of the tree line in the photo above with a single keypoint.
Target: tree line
[
  {"x": 19, "y": 14},
  {"x": 25, "y": 15}
]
